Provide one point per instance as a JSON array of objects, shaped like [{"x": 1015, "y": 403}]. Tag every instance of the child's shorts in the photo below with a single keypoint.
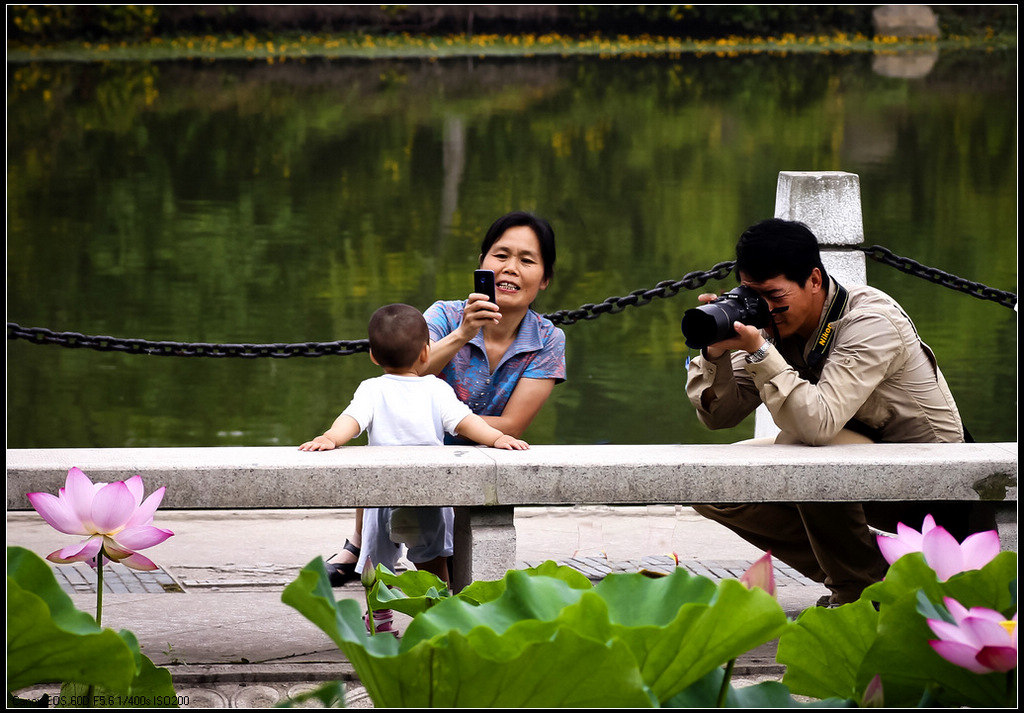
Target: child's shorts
[{"x": 427, "y": 533}]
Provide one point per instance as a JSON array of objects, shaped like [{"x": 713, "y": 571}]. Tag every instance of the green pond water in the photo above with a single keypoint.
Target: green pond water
[{"x": 243, "y": 202}]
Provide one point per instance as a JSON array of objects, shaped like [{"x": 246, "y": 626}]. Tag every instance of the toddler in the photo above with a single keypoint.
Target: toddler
[{"x": 405, "y": 408}]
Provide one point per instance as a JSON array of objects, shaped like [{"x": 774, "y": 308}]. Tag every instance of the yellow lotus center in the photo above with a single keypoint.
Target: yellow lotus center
[{"x": 1010, "y": 626}]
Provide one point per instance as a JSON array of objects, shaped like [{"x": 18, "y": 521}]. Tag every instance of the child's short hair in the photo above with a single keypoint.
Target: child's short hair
[{"x": 397, "y": 335}]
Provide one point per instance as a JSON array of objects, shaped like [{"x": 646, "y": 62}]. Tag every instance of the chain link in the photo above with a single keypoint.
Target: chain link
[
  {"x": 638, "y": 298},
  {"x": 612, "y": 305},
  {"x": 912, "y": 267},
  {"x": 74, "y": 340}
]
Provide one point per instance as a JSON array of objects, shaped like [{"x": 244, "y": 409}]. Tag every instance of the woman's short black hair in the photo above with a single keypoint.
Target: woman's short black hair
[
  {"x": 776, "y": 247},
  {"x": 541, "y": 228}
]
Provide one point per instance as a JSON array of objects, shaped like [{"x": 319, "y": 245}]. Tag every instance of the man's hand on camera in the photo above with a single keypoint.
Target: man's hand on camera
[{"x": 748, "y": 339}]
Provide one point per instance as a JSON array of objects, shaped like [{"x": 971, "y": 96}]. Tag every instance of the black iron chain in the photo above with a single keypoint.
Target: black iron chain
[
  {"x": 638, "y": 298},
  {"x": 74, "y": 340},
  {"x": 912, "y": 267},
  {"x": 612, "y": 305}
]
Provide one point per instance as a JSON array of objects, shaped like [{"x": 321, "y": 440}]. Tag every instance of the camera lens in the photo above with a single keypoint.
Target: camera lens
[
  {"x": 706, "y": 325},
  {"x": 713, "y": 322}
]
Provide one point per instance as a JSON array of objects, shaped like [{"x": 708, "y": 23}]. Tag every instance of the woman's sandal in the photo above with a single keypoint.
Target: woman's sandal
[{"x": 341, "y": 573}]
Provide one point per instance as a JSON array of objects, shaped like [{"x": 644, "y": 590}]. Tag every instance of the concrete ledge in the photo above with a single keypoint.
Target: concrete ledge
[
  {"x": 284, "y": 477},
  {"x": 485, "y": 485},
  {"x": 268, "y": 477}
]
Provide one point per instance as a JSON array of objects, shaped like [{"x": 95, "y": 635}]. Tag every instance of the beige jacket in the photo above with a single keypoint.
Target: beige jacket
[{"x": 877, "y": 371}]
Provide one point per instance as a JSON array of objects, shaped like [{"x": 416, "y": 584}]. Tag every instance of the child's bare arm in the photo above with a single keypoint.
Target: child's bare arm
[
  {"x": 476, "y": 429},
  {"x": 343, "y": 430}
]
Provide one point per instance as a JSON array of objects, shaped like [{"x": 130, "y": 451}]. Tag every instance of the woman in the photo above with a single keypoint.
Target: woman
[{"x": 502, "y": 358}]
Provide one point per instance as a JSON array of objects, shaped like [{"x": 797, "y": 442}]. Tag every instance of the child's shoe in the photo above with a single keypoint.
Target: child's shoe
[{"x": 383, "y": 622}]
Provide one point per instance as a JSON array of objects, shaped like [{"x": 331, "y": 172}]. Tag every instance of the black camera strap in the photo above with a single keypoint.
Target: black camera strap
[{"x": 824, "y": 339}]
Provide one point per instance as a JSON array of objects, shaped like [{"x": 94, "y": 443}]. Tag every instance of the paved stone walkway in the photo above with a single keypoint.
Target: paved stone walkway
[{"x": 212, "y": 614}]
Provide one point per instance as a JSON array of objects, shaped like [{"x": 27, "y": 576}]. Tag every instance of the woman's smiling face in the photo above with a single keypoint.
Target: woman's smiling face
[{"x": 518, "y": 267}]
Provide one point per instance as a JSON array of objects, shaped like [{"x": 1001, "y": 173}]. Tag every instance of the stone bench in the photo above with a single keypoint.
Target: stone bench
[{"x": 486, "y": 485}]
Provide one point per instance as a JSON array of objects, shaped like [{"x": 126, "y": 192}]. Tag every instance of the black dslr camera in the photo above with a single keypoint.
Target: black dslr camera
[{"x": 713, "y": 321}]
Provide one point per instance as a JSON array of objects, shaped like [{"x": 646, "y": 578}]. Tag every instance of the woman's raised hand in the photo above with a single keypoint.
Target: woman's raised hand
[{"x": 478, "y": 313}]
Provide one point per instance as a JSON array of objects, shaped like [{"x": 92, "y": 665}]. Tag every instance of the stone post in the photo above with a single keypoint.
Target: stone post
[
  {"x": 485, "y": 544},
  {"x": 828, "y": 202}
]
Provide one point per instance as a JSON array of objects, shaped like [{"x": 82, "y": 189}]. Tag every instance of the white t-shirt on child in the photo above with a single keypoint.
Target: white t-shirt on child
[{"x": 406, "y": 410}]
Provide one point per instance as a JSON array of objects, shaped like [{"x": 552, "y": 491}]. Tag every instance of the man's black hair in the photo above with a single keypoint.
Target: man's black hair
[{"x": 776, "y": 247}]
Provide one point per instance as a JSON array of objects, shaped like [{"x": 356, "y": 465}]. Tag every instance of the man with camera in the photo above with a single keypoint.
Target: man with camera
[{"x": 832, "y": 364}]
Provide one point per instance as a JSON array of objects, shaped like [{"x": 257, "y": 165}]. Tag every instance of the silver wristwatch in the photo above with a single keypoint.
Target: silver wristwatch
[{"x": 760, "y": 354}]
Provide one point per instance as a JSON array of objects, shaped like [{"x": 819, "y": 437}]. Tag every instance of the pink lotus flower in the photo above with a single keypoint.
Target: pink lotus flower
[
  {"x": 874, "y": 696},
  {"x": 368, "y": 577},
  {"x": 761, "y": 574},
  {"x": 113, "y": 516},
  {"x": 982, "y": 640},
  {"x": 941, "y": 550}
]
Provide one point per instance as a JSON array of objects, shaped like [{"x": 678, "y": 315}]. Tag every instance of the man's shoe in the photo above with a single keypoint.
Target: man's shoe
[{"x": 827, "y": 602}]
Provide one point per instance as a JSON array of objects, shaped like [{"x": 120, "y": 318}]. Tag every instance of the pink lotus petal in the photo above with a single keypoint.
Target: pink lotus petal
[
  {"x": 894, "y": 547},
  {"x": 134, "y": 485},
  {"x": 116, "y": 551},
  {"x": 928, "y": 524},
  {"x": 981, "y": 640},
  {"x": 980, "y": 548},
  {"x": 951, "y": 632},
  {"x": 986, "y": 631},
  {"x": 984, "y": 614},
  {"x": 942, "y": 553},
  {"x": 79, "y": 492},
  {"x": 998, "y": 658},
  {"x": 874, "y": 696},
  {"x": 962, "y": 655},
  {"x": 910, "y": 535},
  {"x": 112, "y": 507},
  {"x": 57, "y": 513},
  {"x": 955, "y": 608},
  {"x": 761, "y": 574},
  {"x": 144, "y": 514},
  {"x": 139, "y": 562},
  {"x": 82, "y": 552},
  {"x": 139, "y": 538}
]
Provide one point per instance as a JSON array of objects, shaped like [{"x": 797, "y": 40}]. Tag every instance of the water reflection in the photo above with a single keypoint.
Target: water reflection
[
  {"x": 238, "y": 202},
  {"x": 906, "y": 65}
]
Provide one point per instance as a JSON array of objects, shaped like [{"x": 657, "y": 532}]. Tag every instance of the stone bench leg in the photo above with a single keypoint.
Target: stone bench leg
[
  {"x": 1006, "y": 521},
  {"x": 485, "y": 544}
]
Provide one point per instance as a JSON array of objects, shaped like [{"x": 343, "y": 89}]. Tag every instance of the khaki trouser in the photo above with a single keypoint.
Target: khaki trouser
[{"x": 831, "y": 542}]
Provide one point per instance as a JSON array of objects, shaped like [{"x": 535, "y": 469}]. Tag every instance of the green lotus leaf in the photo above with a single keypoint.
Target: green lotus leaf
[
  {"x": 769, "y": 694},
  {"x": 547, "y": 641},
  {"x": 463, "y": 662},
  {"x": 488, "y": 590},
  {"x": 526, "y": 599},
  {"x": 49, "y": 640},
  {"x": 836, "y": 652},
  {"x": 908, "y": 665},
  {"x": 682, "y": 626},
  {"x": 33, "y": 574},
  {"x": 824, "y": 649},
  {"x": 411, "y": 592}
]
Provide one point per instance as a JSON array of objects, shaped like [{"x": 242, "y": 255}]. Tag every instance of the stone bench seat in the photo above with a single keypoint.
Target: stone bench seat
[{"x": 485, "y": 485}]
